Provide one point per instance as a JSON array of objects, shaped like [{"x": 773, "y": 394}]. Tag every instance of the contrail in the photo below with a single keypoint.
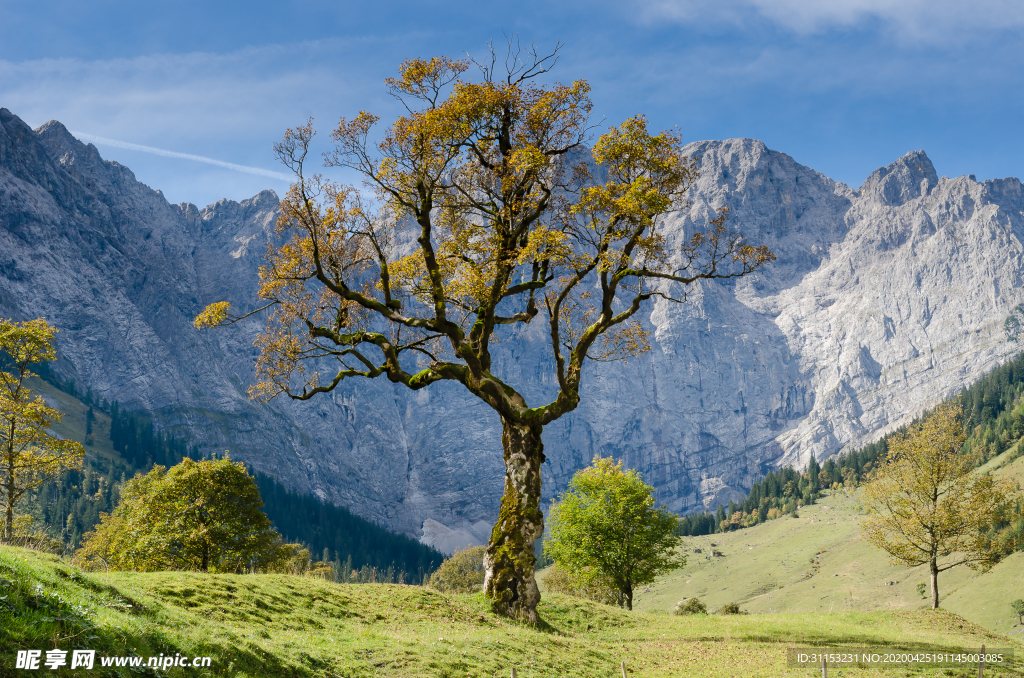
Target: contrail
[{"x": 84, "y": 136}]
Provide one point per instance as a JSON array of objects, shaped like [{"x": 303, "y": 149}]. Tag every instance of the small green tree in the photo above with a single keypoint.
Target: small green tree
[
  {"x": 30, "y": 454},
  {"x": 462, "y": 573},
  {"x": 1018, "y": 609},
  {"x": 194, "y": 516},
  {"x": 607, "y": 525}
]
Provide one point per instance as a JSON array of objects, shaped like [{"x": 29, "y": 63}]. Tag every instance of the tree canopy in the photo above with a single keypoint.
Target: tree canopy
[
  {"x": 490, "y": 204},
  {"x": 30, "y": 454},
  {"x": 607, "y": 525},
  {"x": 463, "y": 572},
  {"x": 927, "y": 506},
  {"x": 194, "y": 516}
]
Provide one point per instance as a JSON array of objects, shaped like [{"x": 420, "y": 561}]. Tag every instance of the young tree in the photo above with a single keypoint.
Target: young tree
[
  {"x": 463, "y": 572},
  {"x": 30, "y": 454},
  {"x": 606, "y": 523},
  {"x": 194, "y": 516},
  {"x": 487, "y": 216},
  {"x": 1018, "y": 609},
  {"x": 927, "y": 506}
]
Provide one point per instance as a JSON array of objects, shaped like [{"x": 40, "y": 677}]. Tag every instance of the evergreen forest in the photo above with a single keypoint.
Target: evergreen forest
[
  {"x": 994, "y": 408},
  {"x": 355, "y": 548}
]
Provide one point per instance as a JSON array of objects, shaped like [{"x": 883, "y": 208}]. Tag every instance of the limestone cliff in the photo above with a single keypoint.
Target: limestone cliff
[{"x": 884, "y": 300}]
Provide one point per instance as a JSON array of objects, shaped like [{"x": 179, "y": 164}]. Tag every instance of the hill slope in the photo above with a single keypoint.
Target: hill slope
[
  {"x": 270, "y": 626},
  {"x": 819, "y": 562}
]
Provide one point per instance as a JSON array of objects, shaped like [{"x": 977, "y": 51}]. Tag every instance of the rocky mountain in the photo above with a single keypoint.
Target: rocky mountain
[{"x": 883, "y": 300}]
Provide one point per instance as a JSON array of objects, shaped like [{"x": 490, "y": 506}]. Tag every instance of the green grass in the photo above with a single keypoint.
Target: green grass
[
  {"x": 820, "y": 563},
  {"x": 73, "y": 424},
  {"x": 277, "y": 625}
]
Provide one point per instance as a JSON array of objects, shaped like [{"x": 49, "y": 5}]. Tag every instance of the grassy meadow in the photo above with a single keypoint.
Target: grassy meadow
[
  {"x": 819, "y": 562},
  {"x": 278, "y": 625},
  {"x": 810, "y": 580}
]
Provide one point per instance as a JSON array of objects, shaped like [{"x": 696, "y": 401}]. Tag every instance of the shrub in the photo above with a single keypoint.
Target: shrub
[
  {"x": 28, "y": 533},
  {"x": 691, "y": 606},
  {"x": 296, "y": 560},
  {"x": 730, "y": 608},
  {"x": 462, "y": 573},
  {"x": 594, "y": 587}
]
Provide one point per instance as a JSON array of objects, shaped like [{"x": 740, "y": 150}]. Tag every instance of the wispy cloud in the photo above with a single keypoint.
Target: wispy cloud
[
  {"x": 926, "y": 21},
  {"x": 230, "y": 106},
  {"x": 103, "y": 141}
]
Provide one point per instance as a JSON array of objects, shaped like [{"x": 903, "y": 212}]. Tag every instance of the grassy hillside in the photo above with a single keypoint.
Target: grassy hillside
[
  {"x": 276, "y": 625},
  {"x": 820, "y": 563},
  {"x": 73, "y": 425}
]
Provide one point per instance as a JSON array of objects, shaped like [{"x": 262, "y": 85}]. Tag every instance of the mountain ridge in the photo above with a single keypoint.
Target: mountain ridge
[{"x": 882, "y": 301}]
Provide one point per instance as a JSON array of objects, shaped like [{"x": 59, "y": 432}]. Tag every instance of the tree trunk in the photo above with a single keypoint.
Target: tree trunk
[
  {"x": 629, "y": 598},
  {"x": 935, "y": 583},
  {"x": 9, "y": 524},
  {"x": 9, "y": 487},
  {"x": 509, "y": 560}
]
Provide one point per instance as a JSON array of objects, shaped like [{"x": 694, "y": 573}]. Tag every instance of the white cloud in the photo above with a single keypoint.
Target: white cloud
[
  {"x": 912, "y": 20},
  {"x": 231, "y": 106},
  {"x": 103, "y": 141}
]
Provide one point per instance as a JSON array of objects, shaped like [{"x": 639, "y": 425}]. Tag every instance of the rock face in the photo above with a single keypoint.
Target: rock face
[{"x": 883, "y": 300}]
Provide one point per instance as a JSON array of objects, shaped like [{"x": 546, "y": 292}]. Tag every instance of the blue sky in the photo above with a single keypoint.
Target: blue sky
[{"x": 843, "y": 86}]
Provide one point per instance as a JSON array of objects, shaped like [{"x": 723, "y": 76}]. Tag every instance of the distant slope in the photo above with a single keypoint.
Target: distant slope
[
  {"x": 820, "y": 563},
  {"x": 994, "y": 411}
]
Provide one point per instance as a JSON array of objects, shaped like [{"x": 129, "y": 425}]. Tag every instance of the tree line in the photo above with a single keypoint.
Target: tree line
[
  {"x": 344, "y": 538},
  {"x": 994, "y": 412},
  {"x": 354, "y": 548},
  {"x": 779, "y": 493}
]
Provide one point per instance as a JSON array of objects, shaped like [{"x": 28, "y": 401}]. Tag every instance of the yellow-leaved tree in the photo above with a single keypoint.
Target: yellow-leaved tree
[
  {"x": 493, "y": 206},
  {"x": 30, "y": 454},
  {"x": 928, "y": 506}
]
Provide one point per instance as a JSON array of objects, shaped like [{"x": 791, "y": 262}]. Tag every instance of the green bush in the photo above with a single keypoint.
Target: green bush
[
  {"x": 593, "y": 587},
  {"x": 730, "y": 608},
  {"x": 462, "y": 573},
  {"x": 691, "y": 606}
]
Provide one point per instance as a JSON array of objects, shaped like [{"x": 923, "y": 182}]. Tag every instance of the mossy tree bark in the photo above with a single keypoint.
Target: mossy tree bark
[{"x": 510, "y": 559}]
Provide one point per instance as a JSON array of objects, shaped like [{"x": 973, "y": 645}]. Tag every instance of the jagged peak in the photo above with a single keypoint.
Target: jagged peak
[
  {"x": 907, "y": 178},
  {"x": 67, "y": 149},
  {"x": 265, "y": 198},
  {"x": 723, "y": 147}
]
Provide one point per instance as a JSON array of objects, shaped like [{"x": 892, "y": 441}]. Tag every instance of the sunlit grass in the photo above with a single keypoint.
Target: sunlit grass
[{"x": 277, "y": 625}]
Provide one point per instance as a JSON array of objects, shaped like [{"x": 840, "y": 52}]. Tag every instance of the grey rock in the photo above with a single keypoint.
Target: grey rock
[{"x": 883, "y": 301}]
